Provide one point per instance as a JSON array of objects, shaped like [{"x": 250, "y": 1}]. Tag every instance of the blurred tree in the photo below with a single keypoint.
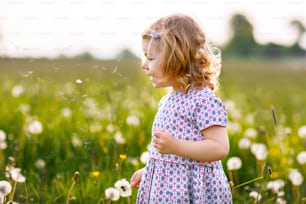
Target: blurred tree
[
  {"x": 242, "y": 41},
  {"x": 126, "y": 54},
  {"x": 296, "y": 48}
]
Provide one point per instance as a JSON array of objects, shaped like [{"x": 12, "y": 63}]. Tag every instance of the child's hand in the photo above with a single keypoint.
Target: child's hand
[
  {"x": 136, "y": 178},
  {"x": 164, "y": 142}
]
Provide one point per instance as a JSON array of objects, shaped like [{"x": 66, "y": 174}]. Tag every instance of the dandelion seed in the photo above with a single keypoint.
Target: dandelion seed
[
  {"x": 5, "y": 188},
  {"x": 17, "y": 91},
  {"x": 144, "y": 157},
  {"x": 301, "y": 157},
  {"x": 124, "y": 187},
  {"x": 234, "y": 163},
  {"x": 119, "y": 138},
  {"x": 244, "y": 143},
  {"x": 35, "y": 127},
  {"x": 133, "y": 120},
  {"x": 112, "y": 194},
  {"x": 302, "y": 132},
  {"x": 295, "y": 177}
]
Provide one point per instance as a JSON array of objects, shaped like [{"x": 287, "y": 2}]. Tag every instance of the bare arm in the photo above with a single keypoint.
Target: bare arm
[{"x": 213, "y": 148}]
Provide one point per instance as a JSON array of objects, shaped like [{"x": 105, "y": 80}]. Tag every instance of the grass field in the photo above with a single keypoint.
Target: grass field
[{"x": 62, "y": 116}]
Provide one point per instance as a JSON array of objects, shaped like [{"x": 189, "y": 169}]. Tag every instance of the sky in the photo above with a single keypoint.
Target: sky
[{"x": 49, "y": 28}]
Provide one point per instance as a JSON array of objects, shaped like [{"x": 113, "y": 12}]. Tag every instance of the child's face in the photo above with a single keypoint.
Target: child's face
[{"x": 152, "y": 65}]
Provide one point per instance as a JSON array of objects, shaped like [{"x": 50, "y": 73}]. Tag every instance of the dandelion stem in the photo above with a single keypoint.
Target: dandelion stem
[
  {"x": 74, "y": 181},
  {"x": 250, "y": 181},
  {"x": 13, "y": 191}
]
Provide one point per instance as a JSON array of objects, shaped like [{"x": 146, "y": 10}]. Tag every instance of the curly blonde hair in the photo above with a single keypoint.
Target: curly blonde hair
[{"x": 187, "y": 59}]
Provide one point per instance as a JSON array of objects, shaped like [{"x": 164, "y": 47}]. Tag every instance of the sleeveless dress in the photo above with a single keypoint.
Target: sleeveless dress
[{"x": 168, "y": 178}]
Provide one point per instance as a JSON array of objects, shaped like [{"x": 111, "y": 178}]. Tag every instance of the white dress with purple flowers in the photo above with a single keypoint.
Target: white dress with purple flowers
[{"x": 169, "y": 178}]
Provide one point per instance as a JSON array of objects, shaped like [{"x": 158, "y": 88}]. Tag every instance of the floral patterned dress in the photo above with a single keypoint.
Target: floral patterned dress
[{"x": 168, "y": 178}]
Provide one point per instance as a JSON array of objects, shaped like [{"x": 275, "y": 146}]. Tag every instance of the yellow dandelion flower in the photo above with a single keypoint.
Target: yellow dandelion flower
[
  {"x": 123, "y": 156},
  {"x": 95, "y": 173}
]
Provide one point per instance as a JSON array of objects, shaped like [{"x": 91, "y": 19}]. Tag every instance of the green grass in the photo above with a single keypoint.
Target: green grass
[{"x": 103, "y": 94}]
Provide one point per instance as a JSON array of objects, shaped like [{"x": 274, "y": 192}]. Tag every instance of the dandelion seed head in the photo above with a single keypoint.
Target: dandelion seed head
[
  {"x": 250, "y": 133},
  {"x": 2, "y": 136},
  {"x": 144, "y": 157},
  {"x": 66, "y": 112},
  {"x": 234, "y": 127},
  {"x": 35, "y": 127},
  {"x": 17, "y": 176},
  {"x": 124, "y": 187},
  {"x": 234, "y": 163},
  {"x": 76, "y": 142},
  {"x": 17, "y": 91},
  {"x": 295, "y": 177},
  {"x": 110, "y": 128},
  {"x": 5, "y": 188},
  {"x": 119, "y": 138},
  {"x": 281, "y": 201},
  {"x": 259, "y": 150},
  {"x": 24, "y": 108},
  {"x": 302, "y": 132},
  {"x": 78, "y": 81},
  {"x": 244, "y": 143},
  {"x": 133, "y": 120},
  {"x": 301, "y": 157},
  {"x": 40, "y": 164},
  {"x": 276, "y": 185},
  {"x": 112, "y": 194},
  {"x": 255, "y": 195}
]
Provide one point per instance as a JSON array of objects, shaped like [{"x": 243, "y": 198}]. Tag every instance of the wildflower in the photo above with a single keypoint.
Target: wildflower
[
  {"x": 234, "y": 163},
  {"x": 295, "y": 177},
  {"x": 133, "y": 120},
  {"x": 35, "y": 127},
  {"x": 259, "y": 150},
  {"x": 17, "y": 91},
  {"x": 119, "y": 138},
  {"x": 5, "y": 188},
  {"x": 255, "y": 195},
  {"x": 124, "y": 187},
  {"x": 276, "y": 185},
  {"x": 302, "y": 132},
  {"x": 66, "y": 112},
  {"x": 244, "y": 143},
  {"x": 95, "y": 174},
  {"x": 40, "y": 164},
  {"x": 301, "y": 157},
  {"x": 17, "y": 176},
  {"x": 112, "y": 194},
  {"x": 144, "y": 157}
]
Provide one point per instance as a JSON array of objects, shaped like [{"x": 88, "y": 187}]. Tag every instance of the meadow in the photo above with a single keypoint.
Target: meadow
[{"x": 72, "y": 129}]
